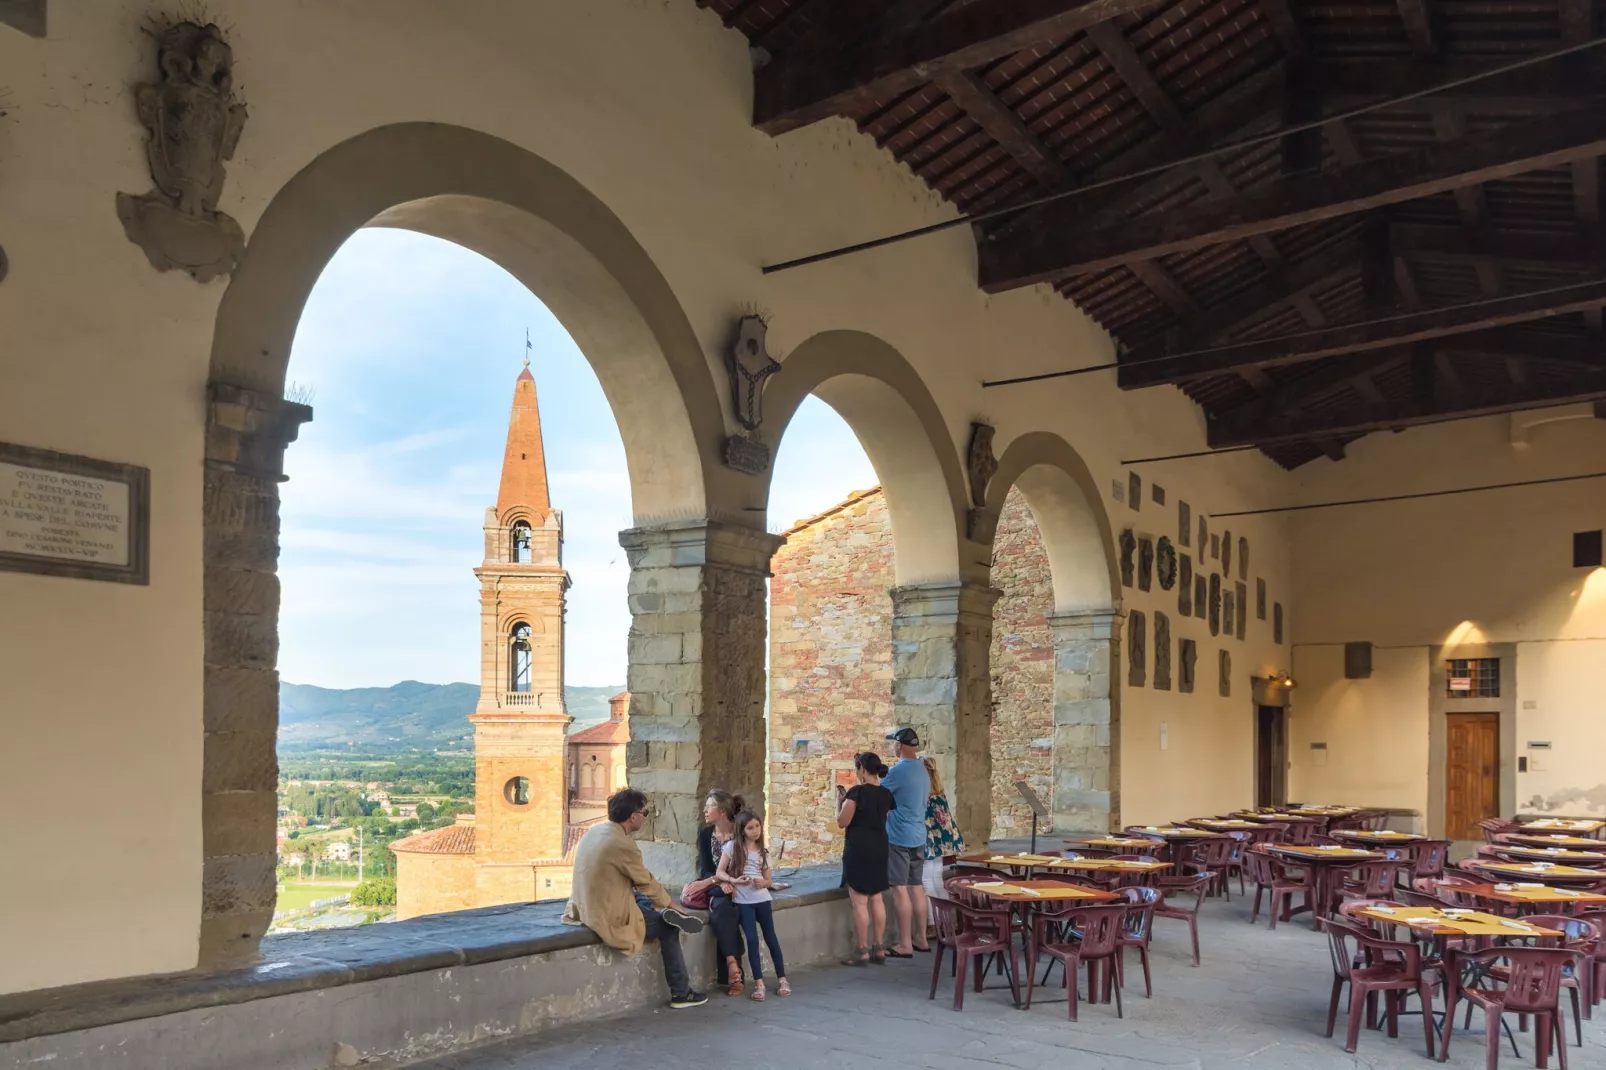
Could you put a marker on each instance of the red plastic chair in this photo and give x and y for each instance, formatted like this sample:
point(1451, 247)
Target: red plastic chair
point(1302, 832)
point(1428, 858)
point(1371, 880)
point(1595, 966)
point(1136, 931)
point(972, 939)
point(1583, 936)
point(1532, 985)
point(1370, 964)
point(1097, 942)
point(1493, 826)
point(1180, 888)
point(1271, 874)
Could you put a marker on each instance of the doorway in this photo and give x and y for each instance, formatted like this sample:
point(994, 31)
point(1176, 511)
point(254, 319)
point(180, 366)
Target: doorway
point(1471, 773)
point(1271, 756)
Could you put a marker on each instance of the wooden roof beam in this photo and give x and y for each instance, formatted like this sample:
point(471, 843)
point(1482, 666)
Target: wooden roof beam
point(999, 122)
point(1418, 26)
point(1055, 245)
point(1558, 86)
point(1315, 387)
point(1400, 413)
point(1532, 347)
point(1419, 241)
point(791, 92)
point(1402, 329)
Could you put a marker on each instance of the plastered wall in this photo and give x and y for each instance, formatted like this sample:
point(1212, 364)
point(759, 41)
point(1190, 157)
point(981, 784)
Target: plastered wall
point(646, 104)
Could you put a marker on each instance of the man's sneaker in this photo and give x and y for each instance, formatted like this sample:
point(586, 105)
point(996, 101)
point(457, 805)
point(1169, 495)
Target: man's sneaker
point(690, 999)
point(686, 923)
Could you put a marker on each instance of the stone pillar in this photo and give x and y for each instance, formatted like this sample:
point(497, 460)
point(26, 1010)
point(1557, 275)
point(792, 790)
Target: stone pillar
point(698, 606)
point(941, 637)
point(1087, 721)
point(246, 436)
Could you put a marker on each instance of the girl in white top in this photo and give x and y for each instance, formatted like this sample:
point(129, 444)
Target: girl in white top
point(745, 864)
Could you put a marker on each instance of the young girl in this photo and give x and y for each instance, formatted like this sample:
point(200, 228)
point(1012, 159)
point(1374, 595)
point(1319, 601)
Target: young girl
point(745, 864)
point(863, 813)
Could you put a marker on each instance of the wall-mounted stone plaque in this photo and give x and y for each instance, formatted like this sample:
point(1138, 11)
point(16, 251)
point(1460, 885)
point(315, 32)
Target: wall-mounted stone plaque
point(1165, 563)
point(1204, 535)
point(1240, 621)
point(1157, 493)
point(1226, 553)
point(1184, 523)
point(1118, 490)
point(1226, 674)
point(1215, 547)
point(1162, 652)
point(1137, 662)
point(1215, 604)
point(1185, 586)
point(1243, 558)
point(62, 515)
point(1134, 491)
point(1201, 597)
point(1260, 598)
point(1129, 544)
point(1229, 609)
point(1145, 564)
point(1187, 655)
point(1277, 623)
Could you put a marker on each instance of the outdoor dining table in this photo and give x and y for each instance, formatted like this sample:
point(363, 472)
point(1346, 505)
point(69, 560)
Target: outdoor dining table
point(1115, 843)
point(1381, 838)
point(1324, 862)
point(1584, 827)
point(1226, 824)
point(1533, 898)
point(1554, 840)
point(1555, 854)
point(1172, 833)
point(1281, 818)
point(1023, 896)
point(1018, 864)
point(1538, 870)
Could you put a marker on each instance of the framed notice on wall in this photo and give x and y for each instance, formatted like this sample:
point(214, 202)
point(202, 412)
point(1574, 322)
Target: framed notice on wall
point(62, 515)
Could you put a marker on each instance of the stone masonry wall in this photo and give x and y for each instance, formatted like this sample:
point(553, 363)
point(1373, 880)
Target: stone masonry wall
point(1022, 666)
point(830, 667)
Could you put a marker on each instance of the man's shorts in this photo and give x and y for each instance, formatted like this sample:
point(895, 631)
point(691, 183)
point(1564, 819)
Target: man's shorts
point(905, 865)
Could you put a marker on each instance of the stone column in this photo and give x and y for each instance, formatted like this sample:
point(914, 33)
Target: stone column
point(246, 436)
point(1087, 721)
point(941, 637)
point(698, 606)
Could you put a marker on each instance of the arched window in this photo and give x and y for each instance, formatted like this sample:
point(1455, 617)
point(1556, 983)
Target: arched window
point(522, 553)
point(519, 658)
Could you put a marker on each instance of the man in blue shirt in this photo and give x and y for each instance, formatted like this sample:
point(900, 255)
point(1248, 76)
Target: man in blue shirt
point(910, 785)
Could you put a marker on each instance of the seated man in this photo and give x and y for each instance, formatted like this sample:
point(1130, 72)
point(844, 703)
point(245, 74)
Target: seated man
point(616, 898)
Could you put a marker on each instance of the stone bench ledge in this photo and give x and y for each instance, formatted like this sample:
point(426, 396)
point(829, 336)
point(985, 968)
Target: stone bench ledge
point(300, 962)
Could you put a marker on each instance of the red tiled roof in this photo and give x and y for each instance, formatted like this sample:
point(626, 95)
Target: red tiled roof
point(574, 834)
point(606, 732)
point(451, 840)
point(810, 521)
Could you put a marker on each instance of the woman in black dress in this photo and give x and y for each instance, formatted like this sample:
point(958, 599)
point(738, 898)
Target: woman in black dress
point(863, 814)
point(719, 810)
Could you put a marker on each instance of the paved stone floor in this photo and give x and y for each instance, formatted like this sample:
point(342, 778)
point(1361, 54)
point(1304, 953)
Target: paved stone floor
point(1259, 1000)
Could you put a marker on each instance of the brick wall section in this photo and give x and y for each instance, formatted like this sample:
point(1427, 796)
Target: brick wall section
point(1022, 669)
point(830, 666)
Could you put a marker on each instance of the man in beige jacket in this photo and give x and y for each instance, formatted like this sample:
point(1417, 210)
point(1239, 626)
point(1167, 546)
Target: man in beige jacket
point(616, 898)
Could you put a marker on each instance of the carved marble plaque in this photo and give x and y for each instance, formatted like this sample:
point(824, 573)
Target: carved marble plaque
point(1184, 523)
point(1201, 597)
point(1185, 586)
point(1226, 674)
point(1204, 535)
point(1129, 544)
point(1277, 623)
point(1145, 564)
point(1157, 493)
point(1226, 553)
point(1215, 604)
point(1260, 598)
point(1187, 655)
point(1215, 547)
point(62, 515)
point(1165, 563)
point(1229, 609)
point(1134, 491)
point(1137, 662)
point(1243, 558)
point(1239, 622)
point(1162, 652)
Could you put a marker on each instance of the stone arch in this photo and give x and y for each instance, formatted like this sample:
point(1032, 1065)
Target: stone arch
point(1084, 626)
point(545, 229)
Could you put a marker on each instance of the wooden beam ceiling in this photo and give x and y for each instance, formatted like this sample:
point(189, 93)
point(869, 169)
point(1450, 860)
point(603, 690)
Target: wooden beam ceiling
point(1418, 26)
point(999, 121)
point(1053, 247)
point(1402, 329)
point(1579, 251)
point(792, 92)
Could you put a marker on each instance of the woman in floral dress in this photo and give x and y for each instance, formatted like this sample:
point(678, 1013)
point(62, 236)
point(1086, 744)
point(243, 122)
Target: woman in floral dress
point(944, 841)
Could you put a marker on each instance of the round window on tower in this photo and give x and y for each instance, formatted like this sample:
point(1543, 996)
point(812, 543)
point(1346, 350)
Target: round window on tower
point(517, 791)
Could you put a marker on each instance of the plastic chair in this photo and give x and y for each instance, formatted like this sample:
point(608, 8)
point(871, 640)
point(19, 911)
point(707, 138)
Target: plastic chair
point(1097, 942)
point(1596, 964)
point(1583, 936)
point(971, 939)
point(1215, 858)
point(1428, 858)
point(1370, 964)
point(1181, 887)
point(1532, 985)
point(1302, 832)
point(1493, 826)
point(1136, 931)
point(1272, 874)
point(1371, 880)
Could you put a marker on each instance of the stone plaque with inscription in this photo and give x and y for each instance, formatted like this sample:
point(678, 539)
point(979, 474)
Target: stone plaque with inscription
point(62, 515)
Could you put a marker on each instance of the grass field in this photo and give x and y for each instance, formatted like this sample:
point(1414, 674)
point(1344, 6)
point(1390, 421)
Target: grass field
point(298, 895)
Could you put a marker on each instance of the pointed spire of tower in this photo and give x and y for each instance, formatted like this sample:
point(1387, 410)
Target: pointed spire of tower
point(524, 462)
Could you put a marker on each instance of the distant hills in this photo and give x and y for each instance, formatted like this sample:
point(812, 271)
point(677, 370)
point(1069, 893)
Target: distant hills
point(400, 717)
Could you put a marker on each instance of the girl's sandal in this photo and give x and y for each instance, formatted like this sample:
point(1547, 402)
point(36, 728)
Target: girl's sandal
point(855, 959)
point(783, 988)
point(878, 955)
point(758, 992)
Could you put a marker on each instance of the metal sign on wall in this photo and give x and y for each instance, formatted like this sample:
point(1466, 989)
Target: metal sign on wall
point(62, 515)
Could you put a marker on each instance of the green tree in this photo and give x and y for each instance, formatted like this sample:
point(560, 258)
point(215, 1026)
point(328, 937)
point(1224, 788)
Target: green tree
point(375, 893)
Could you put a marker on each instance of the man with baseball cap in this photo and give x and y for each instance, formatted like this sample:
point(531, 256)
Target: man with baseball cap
point(906, 836)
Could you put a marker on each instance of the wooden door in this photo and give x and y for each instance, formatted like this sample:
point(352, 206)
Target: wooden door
point(1271, 757)
point(1472, 773)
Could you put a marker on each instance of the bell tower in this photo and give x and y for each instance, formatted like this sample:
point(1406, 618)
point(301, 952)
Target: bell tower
point(520, 722)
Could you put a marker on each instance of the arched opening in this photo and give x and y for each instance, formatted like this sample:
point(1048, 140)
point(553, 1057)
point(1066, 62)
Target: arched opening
point(521, 551)
point(543, 228)
point(521, 659)
point(1056, 641)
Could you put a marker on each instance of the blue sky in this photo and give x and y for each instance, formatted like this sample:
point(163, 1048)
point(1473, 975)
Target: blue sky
point(410, 346)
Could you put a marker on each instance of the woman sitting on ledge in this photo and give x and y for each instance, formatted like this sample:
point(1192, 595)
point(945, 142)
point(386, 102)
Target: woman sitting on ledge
point(719, 810)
